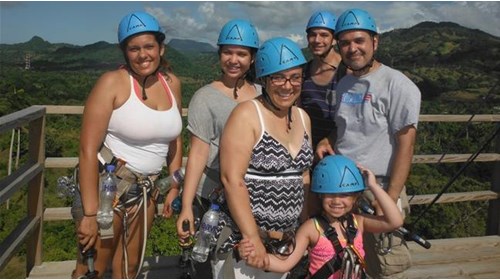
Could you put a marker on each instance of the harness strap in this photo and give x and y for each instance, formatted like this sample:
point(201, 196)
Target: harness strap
point(227, 269)
point(335, 263)
point(122, 202)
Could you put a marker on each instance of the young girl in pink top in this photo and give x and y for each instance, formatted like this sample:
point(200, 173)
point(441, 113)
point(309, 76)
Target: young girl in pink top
point(339, 183)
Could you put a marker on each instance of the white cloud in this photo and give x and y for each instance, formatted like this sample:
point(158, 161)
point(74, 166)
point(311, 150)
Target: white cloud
point(202, 21)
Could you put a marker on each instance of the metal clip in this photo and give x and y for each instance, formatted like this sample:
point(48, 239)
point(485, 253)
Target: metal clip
point(217, 196)
point(381, 243)
point(146, 182)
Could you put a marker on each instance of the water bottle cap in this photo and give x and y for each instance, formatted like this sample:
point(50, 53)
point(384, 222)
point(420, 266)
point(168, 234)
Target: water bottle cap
point(178, 175)
point(214, 206)
point(110, 168)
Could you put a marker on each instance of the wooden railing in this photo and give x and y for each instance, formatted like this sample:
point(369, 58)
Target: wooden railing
point(29, 230)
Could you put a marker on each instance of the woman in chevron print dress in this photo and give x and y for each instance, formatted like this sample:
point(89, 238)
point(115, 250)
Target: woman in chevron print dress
point(265, 157)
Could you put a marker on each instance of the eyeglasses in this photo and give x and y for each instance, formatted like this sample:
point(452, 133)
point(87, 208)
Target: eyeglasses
point(281, 81)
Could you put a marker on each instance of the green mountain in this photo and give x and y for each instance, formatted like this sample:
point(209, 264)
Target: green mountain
point(444, 59)
point(444, 43)
point(45, 56)
point(191, 46)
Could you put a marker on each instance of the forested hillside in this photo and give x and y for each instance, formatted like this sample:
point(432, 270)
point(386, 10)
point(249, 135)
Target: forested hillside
point(456, 69)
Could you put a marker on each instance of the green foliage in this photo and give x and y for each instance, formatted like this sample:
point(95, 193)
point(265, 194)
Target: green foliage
point(15, 269)
point(61, 243)
point(453, 71)
point(163, 240)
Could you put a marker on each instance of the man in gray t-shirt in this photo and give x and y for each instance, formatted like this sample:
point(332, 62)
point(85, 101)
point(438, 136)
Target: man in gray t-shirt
point(376, 116)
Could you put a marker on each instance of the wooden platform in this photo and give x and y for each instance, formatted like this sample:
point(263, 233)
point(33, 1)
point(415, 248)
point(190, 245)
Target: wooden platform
point(471, 258)
point(466, 258)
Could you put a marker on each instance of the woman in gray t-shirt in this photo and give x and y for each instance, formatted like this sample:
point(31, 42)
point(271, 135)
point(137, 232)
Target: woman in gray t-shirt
point(209, 110)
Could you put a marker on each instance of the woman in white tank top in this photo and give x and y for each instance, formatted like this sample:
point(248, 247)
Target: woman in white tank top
point(135, 112)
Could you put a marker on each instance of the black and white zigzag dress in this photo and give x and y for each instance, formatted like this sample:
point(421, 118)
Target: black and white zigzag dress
point(275, 184)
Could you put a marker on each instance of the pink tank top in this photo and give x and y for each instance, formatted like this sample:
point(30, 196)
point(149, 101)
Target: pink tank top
point(324, 251)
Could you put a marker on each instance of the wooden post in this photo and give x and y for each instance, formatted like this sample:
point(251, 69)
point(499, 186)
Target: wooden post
point(493, 222)
point(35, 192)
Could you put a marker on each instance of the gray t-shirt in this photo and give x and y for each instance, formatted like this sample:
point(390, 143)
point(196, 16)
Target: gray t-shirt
point(209, 110)
point(371, 109)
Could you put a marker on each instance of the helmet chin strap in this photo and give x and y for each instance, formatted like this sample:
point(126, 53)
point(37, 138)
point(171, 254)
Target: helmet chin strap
point(367, 66)
point(268, 100)
point(144, 95)
point(322, 58)
point(235, 90)
point(362, 69)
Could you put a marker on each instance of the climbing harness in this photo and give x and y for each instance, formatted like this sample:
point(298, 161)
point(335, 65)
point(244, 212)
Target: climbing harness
point(133, 191)
point(129, 204)
point(347, 260)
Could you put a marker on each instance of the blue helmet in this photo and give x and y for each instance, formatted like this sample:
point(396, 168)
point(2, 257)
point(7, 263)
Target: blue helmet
point(137, 22)
point(337, 174)
point(322, 19)
point(355, 19)
point(239, 32)
point(277, 54)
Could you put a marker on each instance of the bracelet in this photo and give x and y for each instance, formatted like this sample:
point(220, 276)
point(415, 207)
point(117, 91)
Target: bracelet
point(89, 216)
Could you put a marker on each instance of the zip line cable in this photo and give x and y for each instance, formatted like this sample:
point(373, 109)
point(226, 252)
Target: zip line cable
point(467, 124)
point(467, 163)
point(462, 169)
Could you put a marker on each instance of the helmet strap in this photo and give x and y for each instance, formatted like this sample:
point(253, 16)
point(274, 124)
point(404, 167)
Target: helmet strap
point(323, 57)
point(144, 95)
point(362, 69)
point(235, 90)
point(268, 100)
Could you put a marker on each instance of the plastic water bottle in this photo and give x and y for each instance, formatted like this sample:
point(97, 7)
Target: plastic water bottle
point(164, 184)
point(206, 235)
point(108, 193)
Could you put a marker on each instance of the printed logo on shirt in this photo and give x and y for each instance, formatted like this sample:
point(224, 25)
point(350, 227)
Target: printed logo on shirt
point(352, 98)
point(355, 98)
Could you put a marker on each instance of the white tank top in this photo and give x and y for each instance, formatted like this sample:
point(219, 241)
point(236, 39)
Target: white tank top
point(141, 135)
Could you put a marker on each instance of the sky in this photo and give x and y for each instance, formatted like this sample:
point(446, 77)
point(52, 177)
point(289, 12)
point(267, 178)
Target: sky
point(87, 22)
